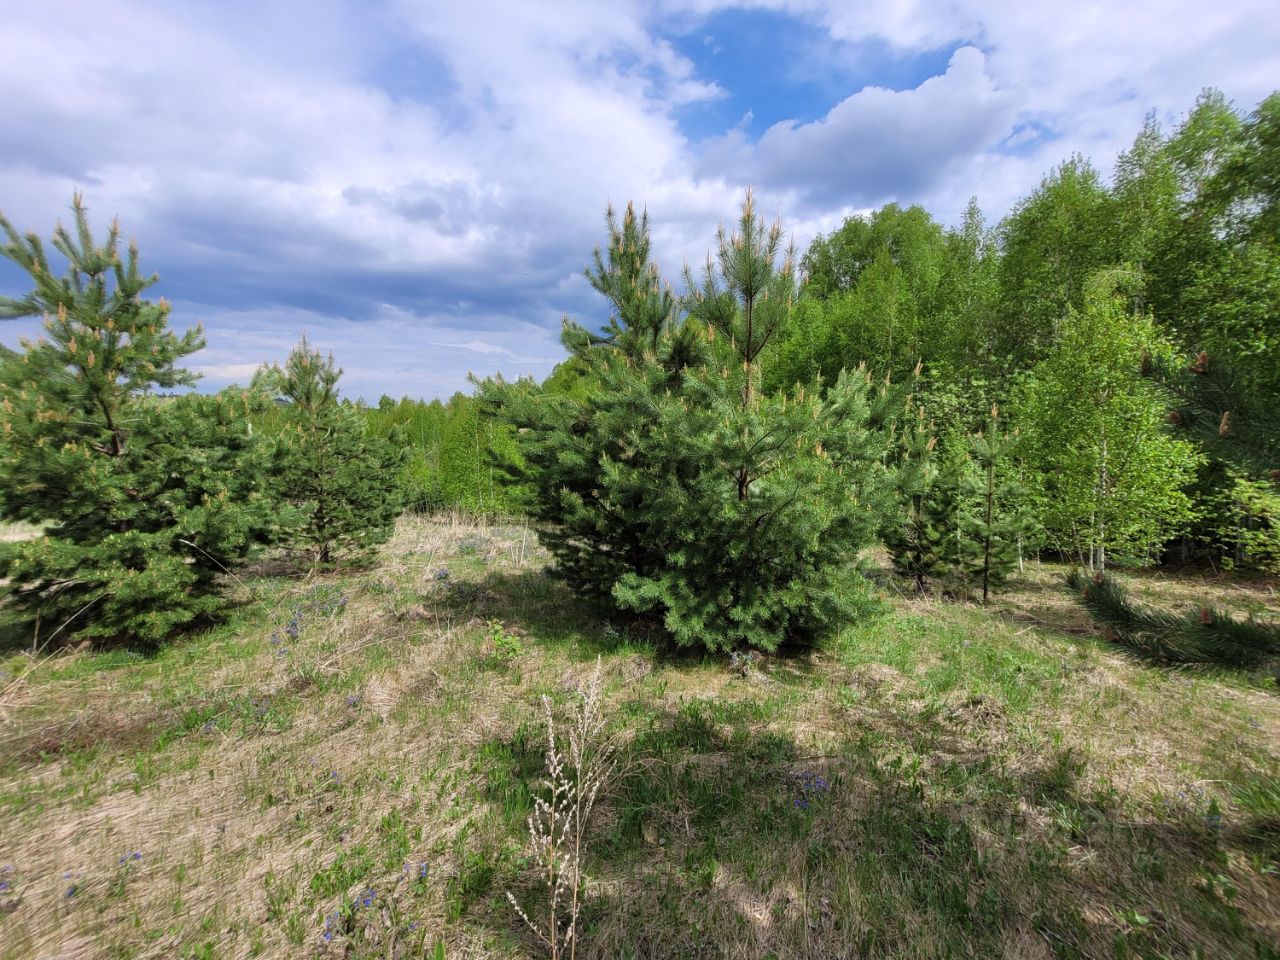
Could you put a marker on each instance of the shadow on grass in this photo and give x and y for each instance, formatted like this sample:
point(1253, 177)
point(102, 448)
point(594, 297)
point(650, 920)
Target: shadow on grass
point(551, 613)
point(721, 837)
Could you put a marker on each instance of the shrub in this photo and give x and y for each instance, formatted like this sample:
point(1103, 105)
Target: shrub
point(342, 479)
point(674, 485)
point(146, 501)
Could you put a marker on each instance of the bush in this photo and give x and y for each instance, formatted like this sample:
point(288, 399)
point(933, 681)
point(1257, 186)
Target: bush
point(672, 484)
point(342, 479)
point(146, 501)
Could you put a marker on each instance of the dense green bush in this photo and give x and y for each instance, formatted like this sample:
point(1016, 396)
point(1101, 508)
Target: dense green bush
point(449, 449)
point(341, 478)
point(145, 502)
point(679, 488)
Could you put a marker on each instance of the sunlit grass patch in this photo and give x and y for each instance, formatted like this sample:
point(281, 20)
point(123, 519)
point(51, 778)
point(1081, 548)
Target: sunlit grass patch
point(946, 780)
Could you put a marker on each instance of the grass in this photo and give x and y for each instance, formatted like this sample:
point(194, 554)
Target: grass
point(945, 781)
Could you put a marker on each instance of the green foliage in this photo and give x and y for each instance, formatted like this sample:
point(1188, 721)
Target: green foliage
point(871, 291)
point(1249, 525)
point(1109, 479)
point(920, 534)
point(995, 523)
point(1212, 406)
point(448, 452)
point(342, 479)
point(1052, 243)
point(146, 502)
point(1204, 636)
point(676, 486)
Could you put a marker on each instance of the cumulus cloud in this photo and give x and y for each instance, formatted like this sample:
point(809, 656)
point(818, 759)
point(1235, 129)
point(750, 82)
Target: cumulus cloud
point(877, 144)
point(419, 185)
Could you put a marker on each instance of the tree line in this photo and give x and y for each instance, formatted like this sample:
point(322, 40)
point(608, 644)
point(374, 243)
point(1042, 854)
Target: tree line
point(1094, 376)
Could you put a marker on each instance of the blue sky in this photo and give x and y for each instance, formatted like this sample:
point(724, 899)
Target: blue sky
point(417, 186)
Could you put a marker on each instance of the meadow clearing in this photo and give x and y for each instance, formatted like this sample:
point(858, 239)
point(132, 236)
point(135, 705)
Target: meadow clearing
point(345, 768)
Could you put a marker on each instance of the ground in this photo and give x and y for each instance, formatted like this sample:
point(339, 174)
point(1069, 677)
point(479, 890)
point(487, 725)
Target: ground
point(345, 768)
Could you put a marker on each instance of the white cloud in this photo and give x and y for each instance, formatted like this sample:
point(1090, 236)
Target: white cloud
point(279, 166)
point(877, 144)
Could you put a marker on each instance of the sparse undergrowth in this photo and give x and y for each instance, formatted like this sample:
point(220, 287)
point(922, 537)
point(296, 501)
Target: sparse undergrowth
point(346, 769)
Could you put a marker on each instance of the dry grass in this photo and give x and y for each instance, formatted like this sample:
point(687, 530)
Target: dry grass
point(946, 781)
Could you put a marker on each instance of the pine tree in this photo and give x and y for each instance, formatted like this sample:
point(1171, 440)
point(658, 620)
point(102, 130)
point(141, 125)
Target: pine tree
point(569, 442)
point(146, 502)
point(343, 479)
point(994, 519)
point(919, 535)
point(676, 486)
point(777, 494)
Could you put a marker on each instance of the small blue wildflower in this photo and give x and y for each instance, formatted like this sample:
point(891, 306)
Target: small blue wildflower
point(802, 803)
point(413, 924)
point(4, 886)
point(369, 896)
point(441, 574)
point(333, 775)
point(71, 891)
point(423, 870)
point(7, 868)
point(353, 700)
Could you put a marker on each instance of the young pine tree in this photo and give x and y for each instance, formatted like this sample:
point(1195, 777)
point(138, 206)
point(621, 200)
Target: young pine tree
point(146, 502)
point(674, 485)
point(994, 520)
point(765, 500)
point(584, 440)
point(921, 535)
point(343, 479)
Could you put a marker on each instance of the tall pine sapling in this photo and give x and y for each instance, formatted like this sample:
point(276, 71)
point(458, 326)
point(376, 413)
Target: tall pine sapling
point(920, 534)
point(763, 500)
point(581, 455)
point(138, 529)
point(994, 520)
point(342, 478)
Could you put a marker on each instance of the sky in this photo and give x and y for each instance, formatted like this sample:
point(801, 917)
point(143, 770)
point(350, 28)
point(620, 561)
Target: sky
point(417, 186)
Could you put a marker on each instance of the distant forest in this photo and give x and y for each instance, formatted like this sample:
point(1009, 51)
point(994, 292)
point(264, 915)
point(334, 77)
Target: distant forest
point(1048, 315)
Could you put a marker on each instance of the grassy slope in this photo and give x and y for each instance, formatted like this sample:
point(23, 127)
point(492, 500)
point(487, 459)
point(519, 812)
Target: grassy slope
point(997, 782)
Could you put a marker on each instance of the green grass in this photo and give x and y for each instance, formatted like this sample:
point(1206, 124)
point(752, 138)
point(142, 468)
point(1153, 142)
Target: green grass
point(945, 780)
